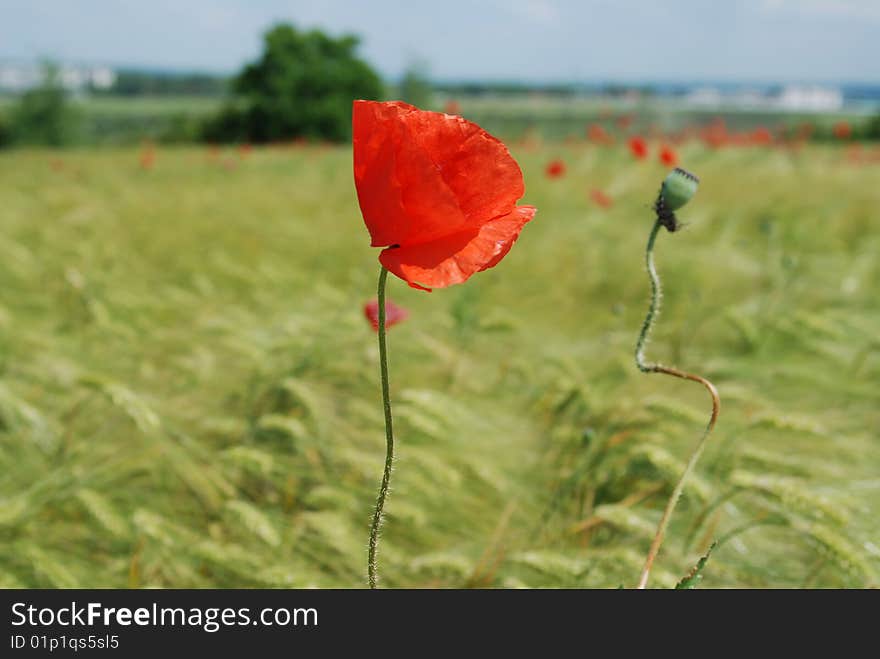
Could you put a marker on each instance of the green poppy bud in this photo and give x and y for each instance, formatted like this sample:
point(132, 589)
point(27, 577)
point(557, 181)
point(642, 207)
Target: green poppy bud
point(678, 188)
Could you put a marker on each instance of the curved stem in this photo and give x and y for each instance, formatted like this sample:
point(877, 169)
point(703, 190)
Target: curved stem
point(648, 367)
point(656, 295)
point(389, 434)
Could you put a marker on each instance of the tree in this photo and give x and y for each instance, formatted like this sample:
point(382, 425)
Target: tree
point(42, 115)
point(302, 86)
point(872, 128)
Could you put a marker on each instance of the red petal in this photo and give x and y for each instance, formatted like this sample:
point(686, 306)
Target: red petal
point(453, 259)
point(393, 314)
point(424, 175)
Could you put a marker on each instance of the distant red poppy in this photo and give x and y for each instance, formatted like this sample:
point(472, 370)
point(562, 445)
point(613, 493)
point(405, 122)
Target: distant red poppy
point(393, 314)
point(638, 147)
point(57, 164)
point(601, 199)
point(598, 135)
point(244, 150)
point(148, 156)
point(436, 190)
point(805, 130)
point(452, 107)
point(624, 121)
point(555, 169)
point(842, 130)
point(668, 156)
point(715, 134)
point(761, 136)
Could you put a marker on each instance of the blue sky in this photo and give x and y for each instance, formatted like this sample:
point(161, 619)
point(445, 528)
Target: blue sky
point(759, 40)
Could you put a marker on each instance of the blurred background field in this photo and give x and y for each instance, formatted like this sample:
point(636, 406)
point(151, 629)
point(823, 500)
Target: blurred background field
point(189, 390)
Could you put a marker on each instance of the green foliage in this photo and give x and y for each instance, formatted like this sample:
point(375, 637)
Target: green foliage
point(43, 116)
point(693, 578)
point(189, 392)
point(303, 85)
point(5, 130)
point(872, 128)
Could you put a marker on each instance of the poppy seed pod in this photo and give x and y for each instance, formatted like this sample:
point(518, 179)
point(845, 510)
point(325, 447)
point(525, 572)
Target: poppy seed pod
point(678, 188)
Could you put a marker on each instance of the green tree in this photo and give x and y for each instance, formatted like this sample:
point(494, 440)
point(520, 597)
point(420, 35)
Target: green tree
point(302, 86)
point(5, 131)
point(872, 128)
point(43, 115)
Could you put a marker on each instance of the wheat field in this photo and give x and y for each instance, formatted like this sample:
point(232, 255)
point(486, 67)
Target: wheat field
point(189, 391)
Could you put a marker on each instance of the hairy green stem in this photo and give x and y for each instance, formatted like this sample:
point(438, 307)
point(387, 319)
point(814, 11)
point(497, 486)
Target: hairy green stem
point(656, 295)
point(648, 367)
point(389, 434)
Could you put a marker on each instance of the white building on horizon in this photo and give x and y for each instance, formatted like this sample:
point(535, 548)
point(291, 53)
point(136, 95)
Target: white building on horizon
point(16, 77)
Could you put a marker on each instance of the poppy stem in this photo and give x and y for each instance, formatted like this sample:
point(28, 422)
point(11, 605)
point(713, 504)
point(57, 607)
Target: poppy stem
point(649, 367)
point(389, 434)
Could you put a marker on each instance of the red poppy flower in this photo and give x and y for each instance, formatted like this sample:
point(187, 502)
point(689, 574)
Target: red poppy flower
point(598, 135)
point(452, 107)
point(638, 147)
point(715, 134)
point(555, 169)
point(842, 130)
point(393, 313)
point(668, 156)
point(244, 150)
point(435, 189)
point(601, 199)
point(762, 136)
point(148, 156)
point(624, 121)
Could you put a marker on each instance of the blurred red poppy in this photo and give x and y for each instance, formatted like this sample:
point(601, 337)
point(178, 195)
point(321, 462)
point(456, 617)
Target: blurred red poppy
point(244, 150)
point(452, 107)
point(598, 135)
point(148, 156)
point(601, 199)
point(715, 134)
point(842, 130)
point(393, 314)
point(624, 121)
point(638, 147)
point(805, 130)
point(555, 169)
point(668, 156)
point(762, 136)
point(436, 190)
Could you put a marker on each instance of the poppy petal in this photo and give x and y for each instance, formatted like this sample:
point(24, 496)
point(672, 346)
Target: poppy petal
point(394, 314)
point(453, 259)
point(424, 175)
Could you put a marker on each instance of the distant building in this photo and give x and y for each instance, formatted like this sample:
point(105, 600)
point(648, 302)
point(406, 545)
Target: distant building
point(810, 99)
point(791, 98)
point(17, 77)
point(707, 97)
